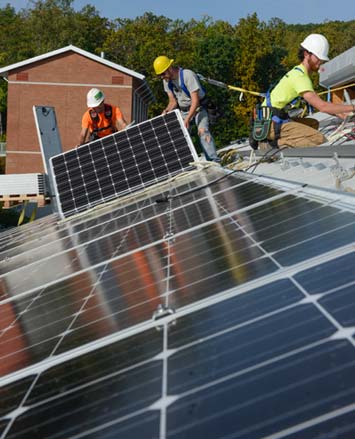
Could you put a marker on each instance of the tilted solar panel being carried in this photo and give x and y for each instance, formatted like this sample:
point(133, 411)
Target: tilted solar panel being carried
point(124, 162)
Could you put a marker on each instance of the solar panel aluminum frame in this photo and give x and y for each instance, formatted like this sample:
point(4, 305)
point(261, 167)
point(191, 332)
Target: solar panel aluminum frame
point(228, 314)
point(121, 163)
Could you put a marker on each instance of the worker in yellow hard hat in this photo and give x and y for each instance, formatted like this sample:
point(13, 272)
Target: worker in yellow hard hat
point(185, 92)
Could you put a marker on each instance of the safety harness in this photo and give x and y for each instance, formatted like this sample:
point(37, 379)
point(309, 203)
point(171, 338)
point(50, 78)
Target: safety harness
point(174, 90)
point(95, 120)
point(264, 116)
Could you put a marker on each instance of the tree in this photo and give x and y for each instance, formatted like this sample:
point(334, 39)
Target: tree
point(252, 54)
point(11, 50)
point(14, 45)
point(52, 24)
point(260, 61)
point(135, 43)
point(253, 49)
point(219, 44)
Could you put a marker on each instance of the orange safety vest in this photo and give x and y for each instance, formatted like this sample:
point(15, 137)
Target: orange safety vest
point(95, 119)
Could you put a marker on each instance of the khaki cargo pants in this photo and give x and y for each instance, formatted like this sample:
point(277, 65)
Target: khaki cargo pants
point(300, 133)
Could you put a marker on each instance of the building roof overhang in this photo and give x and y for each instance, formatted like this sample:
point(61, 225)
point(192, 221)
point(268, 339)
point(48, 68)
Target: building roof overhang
point(145, 90)
point(5, 70)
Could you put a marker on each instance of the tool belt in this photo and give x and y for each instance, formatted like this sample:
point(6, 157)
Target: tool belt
point(260, 124)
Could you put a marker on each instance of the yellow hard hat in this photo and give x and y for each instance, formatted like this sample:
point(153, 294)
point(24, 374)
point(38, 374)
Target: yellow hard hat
point(162, 63)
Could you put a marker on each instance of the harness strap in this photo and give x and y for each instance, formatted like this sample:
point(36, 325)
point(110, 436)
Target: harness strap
point(183, 87)
point(279, 117)
point(95, 119)
point(280, 114)
point(260, 123)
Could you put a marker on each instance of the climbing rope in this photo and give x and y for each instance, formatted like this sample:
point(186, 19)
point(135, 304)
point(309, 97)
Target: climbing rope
point(255, 93)
point(336, 89)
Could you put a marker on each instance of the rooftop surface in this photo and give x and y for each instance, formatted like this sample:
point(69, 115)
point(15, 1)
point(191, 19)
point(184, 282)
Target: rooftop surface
point(216, 304)
point(225, 311)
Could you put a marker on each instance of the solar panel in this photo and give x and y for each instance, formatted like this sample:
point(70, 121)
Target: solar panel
point(227, 312)
point(122, 163)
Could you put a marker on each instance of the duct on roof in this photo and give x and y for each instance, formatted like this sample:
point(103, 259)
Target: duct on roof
point(338, 71)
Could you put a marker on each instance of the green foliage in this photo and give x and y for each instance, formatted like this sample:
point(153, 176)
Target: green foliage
point(251, 55)
point(52, 24)
point(136, 43)
point(259, 62)
point(3, 96)
point(14, 45)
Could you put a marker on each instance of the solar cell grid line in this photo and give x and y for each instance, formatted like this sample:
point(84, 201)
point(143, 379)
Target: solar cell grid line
point(66, 254)
point(124, 162)
point(58, 274)
point(12, 237)
point(181, 340)
point(253, 350)
point(37, 249)
point(89, 165)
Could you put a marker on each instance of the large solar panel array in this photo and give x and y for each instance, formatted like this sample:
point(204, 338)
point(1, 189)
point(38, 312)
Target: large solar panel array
point(227, 312)
point(122, 163)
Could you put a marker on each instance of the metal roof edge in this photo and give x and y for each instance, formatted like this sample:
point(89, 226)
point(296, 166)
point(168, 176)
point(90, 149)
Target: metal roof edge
point(339, 70)
point(5, 70)
point(343, 151)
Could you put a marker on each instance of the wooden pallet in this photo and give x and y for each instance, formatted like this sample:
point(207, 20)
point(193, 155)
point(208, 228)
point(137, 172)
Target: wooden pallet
point(14, 199)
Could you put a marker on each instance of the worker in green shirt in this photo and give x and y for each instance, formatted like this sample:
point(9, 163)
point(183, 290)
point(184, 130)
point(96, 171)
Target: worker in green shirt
point(296, 84)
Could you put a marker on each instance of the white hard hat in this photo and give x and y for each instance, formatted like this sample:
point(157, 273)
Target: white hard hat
point(94, 97)
point(317, 44)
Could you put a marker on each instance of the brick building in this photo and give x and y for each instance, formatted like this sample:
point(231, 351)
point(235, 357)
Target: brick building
point(61, 79)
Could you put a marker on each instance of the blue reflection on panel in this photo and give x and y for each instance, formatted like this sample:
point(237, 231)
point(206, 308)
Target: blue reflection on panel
point(101, 388)
point(303, 250)
point(271, 399)
point(247, 346)
point(146, 425)
point(329, 275)
point(341, 305)
point(234, 311)
point(340, 427)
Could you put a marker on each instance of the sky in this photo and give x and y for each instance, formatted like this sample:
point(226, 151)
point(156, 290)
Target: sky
point(290, 11)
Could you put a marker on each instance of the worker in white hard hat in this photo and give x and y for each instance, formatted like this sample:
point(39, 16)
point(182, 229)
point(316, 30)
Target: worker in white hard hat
point(185, 92)
point(285, 129)
point(100, 119)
